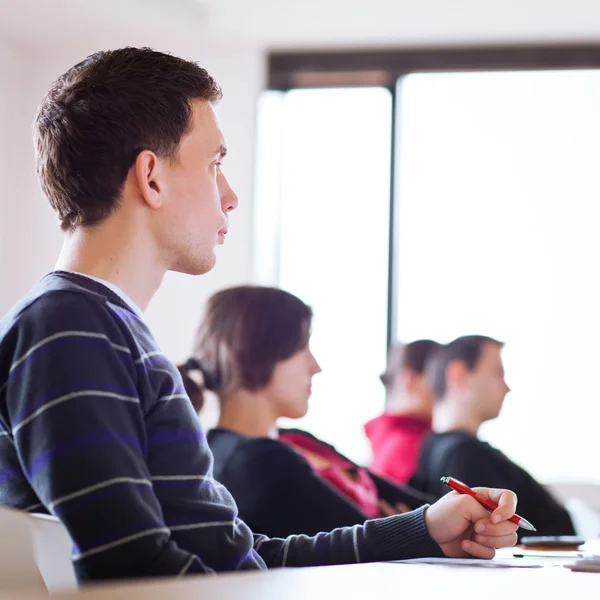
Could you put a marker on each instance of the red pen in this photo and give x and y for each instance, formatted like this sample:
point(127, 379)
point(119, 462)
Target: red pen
point(461, 488)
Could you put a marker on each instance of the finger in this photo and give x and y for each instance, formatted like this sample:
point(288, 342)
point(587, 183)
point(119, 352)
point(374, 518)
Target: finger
point(502, 541)
point(505, 499)
point(471, 510)
point(386, 509)
point(477, 550)
point(486, 527)
point(402, 508)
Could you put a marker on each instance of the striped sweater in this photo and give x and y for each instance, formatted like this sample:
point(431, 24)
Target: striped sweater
point(96, 429)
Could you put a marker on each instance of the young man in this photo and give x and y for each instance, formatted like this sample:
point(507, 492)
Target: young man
point(396, 436)
point(468, 383)
point(95, 426)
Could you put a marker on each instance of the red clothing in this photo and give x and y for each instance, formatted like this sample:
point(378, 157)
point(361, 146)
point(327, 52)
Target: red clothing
point(348, 479)
point(396, 443)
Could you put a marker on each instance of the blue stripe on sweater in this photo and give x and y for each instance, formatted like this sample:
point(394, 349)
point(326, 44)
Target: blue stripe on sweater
point(101, 438)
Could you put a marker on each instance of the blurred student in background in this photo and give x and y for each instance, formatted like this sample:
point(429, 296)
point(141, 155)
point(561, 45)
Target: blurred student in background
point(468, 383)
point(396, 436)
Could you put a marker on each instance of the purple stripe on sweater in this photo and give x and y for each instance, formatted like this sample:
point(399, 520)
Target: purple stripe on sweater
point(127, 316)
point(101, 438)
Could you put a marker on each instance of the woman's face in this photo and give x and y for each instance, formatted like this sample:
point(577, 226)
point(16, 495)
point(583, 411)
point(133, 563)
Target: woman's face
point(290, 385)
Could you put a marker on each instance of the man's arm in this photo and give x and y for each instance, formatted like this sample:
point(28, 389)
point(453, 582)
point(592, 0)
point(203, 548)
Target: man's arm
point(392, 538)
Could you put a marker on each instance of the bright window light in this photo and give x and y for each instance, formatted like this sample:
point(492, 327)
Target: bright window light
point(499, 234)
point(333, 147)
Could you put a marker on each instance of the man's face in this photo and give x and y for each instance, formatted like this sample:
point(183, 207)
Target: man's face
point(486, 383)
point(194, 219)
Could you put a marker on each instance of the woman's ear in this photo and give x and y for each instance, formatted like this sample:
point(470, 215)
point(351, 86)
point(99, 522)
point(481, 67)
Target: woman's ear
point(149, 171)
point(410, 379)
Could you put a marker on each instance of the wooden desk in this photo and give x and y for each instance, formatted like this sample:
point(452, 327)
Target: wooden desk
point(364, 582)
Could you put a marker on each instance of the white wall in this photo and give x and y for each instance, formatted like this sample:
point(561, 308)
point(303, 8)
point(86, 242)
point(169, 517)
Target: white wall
point(29, 235)
point(29, 232)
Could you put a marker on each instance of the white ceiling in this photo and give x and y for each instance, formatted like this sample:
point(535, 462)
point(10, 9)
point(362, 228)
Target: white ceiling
point(299, 23)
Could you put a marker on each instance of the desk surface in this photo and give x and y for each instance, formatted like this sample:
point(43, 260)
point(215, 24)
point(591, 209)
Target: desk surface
point(365, 581)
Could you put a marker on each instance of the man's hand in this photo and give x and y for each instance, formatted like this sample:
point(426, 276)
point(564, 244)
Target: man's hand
point(463, 528)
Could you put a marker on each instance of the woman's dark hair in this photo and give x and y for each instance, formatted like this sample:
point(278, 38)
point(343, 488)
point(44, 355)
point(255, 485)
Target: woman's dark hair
point(245, 332)
point(192, 388)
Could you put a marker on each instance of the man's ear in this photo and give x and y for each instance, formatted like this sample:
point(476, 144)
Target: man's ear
point(456, 374)
point(410, 380)
point(148, 172)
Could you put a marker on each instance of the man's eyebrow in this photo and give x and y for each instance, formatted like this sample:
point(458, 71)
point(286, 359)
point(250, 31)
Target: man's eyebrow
point(221, 151)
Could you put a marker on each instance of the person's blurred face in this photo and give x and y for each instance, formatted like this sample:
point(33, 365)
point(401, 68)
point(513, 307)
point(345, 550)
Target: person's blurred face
point(486, 385)
point(290, 385)
point(414, 392)
point(423, 390)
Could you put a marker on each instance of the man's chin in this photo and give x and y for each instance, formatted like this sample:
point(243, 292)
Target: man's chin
point(196, 268)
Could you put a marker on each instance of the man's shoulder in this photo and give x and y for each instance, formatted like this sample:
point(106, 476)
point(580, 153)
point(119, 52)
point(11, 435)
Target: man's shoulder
point(452, 441)
point(56, 305)
point(49, 298)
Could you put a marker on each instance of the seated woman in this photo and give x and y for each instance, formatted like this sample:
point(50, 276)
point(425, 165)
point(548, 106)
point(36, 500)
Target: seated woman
point(252, 350)
point(398, 434)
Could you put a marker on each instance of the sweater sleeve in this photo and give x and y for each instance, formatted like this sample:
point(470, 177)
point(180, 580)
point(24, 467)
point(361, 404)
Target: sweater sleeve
point(78, 429)
point(478, 464)
point(392, 538)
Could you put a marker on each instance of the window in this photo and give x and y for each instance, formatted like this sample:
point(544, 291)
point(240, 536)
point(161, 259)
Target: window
point(333, 149)
point(498, 234)
point(492, 230)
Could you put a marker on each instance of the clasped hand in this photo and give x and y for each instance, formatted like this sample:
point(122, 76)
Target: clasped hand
point(463, 528)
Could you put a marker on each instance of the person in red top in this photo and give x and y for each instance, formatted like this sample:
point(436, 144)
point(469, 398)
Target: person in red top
point(397, 435)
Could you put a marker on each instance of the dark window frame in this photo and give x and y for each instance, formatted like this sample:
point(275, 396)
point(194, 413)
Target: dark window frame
point(386, 67)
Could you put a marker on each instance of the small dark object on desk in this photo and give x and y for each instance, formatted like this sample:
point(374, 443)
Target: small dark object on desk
point(550, 542)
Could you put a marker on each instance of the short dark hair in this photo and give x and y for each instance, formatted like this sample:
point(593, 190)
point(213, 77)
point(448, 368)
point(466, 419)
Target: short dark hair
point(466, 349)
point(245, 332)
point(97, 118)
point(413, 356)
